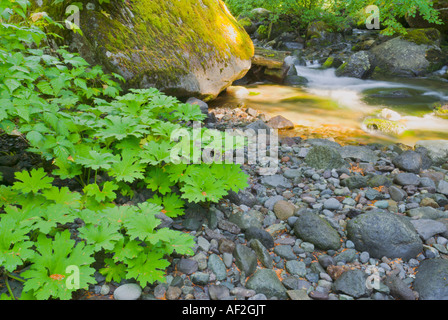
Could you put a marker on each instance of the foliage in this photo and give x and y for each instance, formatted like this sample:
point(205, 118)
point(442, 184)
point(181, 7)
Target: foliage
point(76, 117)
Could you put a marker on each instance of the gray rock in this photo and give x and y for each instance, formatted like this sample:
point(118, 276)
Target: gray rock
point(351, 282)
point(262, 253)
point(245, 220)
point(358, 66)
point(312, 228)
point(399, 289)
point(323, 157)
point(427, 228)
point(397, 194)
point(443, 187)
point(437, 150)
point(245, 259)
point(358, 152)
point(355, 182)
point(202, 105)
point(292, 173)
point(431, 281)
point(295, 267)
point(128, 291)
point(275, 181)
point(332, 204)
point(427, 213)
point(405, 179)
point(260, 234)
point(409, 161)
point(285, 252)
point(217, 266)
point(384, 234)
point(269, 204)
point(258, 125)
point(280, 122)
point(218, 292)
point(200, 278)
point(187, 266)
point(265, 281)
point(346, 256)
point(298, 295)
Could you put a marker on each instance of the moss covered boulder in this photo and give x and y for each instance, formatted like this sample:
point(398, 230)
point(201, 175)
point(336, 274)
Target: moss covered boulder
point(417, 53)
point(184, 47)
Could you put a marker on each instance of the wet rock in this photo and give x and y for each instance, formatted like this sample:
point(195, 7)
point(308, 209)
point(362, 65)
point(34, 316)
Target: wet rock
point(360, 65)
point(437, 150)
point(129, 291)
point(351, 282)
point(217, 266)
point(281, 123)
point(431, 281)
point(275, 181)
point(409, 161)
point(399, 289)
point(262, 253)
point(284, 209)
point(384, 234)
point(312, 228)
point(427, 228)
point(245, 259)
point(405, 179)
point(262, 235)
point(218, 292)
point(265, 281)
point(324, 157)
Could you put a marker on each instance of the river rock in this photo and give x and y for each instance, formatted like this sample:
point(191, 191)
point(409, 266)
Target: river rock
point(360, 65)
point(245, 259)
point(332, 204)
point(403, 57)
point(427, 228)
point(384, 234)
point(437, 150)
point(265, 281)
point(284, 209)
point(406, 179)
point(312, 228)
point(324, 157)
point(397, 194)
point(442, 187)
point(260, 234)
point(128, 291)
point(275, 181)
point(427, 213)
point(355, 182)
point(358, 152)
point(409, 161)
point(244, 220)
point(431, 281)
point(280, 122)
point(218, 292)
point(351, 282)
point(262, 253)
point(398, 288)
point(217, 266)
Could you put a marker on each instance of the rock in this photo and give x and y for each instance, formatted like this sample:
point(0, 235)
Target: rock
point(217, 266)
point(187, 266)
point(442, 187)
point(275, 181)
point(355, 182)
point(384, 126)
point(140, 41)
point(324, 157)
point(173, 293)
point(269, 204)
point(384, 234)
point(351, 282)
point(259, 125)
point(245, 220)
point(295, 80)
point(405, 179)
point(203, 105)
point(409, 161)
point(358, 152)
point(265, 281)
point(402, 57)
point(245, 259)
point(284, 209)
point(298, 295)
point(281, 123)
point(360, 65)
point(312, 228)
point(295, 267)
point(128, 291)
point(437, 150)
point(427, 213)
point(260, 234)
point(427, 228)
point(285, 252)
point(431, 281)
point(332, 204)
point(399, 289)
point(218, 292)
point(262, 253)
point(200, 278)
point(320, 34)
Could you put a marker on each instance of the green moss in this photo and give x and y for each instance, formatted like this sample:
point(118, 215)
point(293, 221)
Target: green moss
point(428, 36)
point(385, 126)
point(328, 63)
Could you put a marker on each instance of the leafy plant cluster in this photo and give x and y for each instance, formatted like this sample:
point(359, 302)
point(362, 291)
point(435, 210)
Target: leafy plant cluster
point(76, 118)
point(339, 14)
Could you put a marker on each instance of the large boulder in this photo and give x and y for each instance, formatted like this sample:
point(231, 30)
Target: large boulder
point(417, 21)
point(384, 234)
point(184, 48)
point(437, 150)
point(416, 54)
point(431, 281)
point(360, 65)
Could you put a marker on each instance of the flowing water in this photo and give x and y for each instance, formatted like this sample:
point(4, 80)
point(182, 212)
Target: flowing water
point(334, 106)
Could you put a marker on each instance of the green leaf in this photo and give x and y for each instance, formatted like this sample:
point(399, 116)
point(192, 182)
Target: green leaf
point(128, 169)
point(107, 192)
point(96, 160)
point(113, 271)
point(148, 268)
point(102, 236)
point(157, 180)
point(63, 196)
point(33, 181)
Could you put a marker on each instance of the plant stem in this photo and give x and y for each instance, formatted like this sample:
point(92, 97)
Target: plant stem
point(9, 288)
point(15, 277)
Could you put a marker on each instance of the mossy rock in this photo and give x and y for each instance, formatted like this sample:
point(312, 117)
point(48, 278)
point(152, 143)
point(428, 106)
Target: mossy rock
point(428, 36)
point(384, 126)
point(185, 48)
